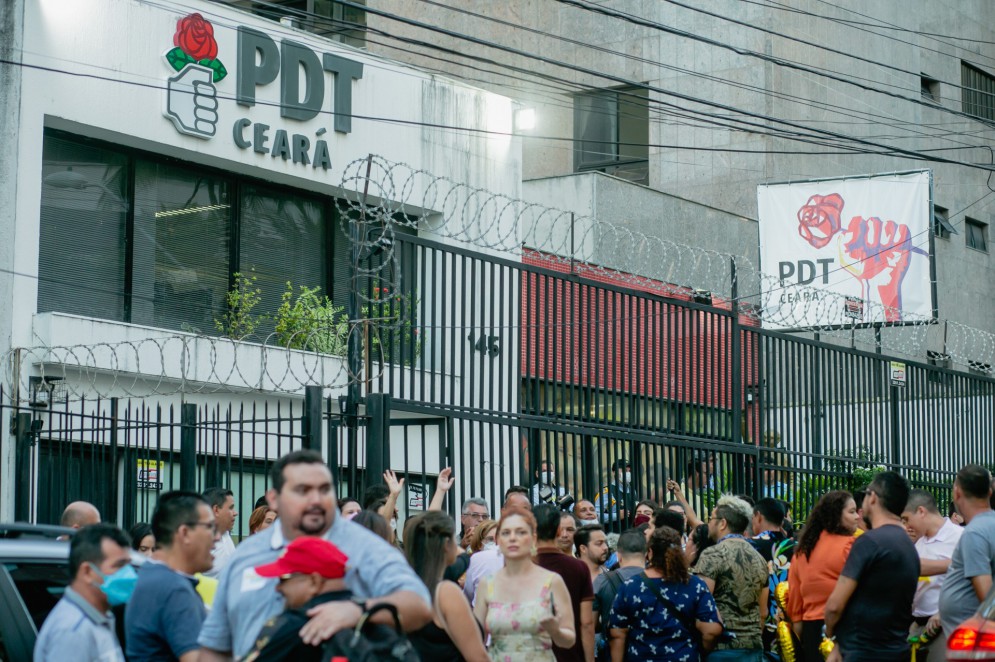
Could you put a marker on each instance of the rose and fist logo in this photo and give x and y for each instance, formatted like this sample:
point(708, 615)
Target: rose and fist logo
point(875, 252)
point(191, 98)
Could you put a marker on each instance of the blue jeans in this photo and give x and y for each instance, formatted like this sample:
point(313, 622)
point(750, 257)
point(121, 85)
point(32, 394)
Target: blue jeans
point(744, 655)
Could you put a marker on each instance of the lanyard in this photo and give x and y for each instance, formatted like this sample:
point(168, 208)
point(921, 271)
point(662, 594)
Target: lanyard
point(731, 535)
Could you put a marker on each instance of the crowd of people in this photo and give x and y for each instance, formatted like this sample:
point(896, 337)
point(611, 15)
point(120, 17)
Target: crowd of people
point(870, 575)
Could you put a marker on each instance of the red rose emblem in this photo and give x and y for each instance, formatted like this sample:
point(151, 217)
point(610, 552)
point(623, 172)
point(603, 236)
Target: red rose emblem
point(819, 219)
point(195, 37)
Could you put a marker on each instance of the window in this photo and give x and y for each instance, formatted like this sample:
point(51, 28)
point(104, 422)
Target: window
point(942, 227)
point(977, 234)
point(978, 90)
point(181, 247)
point(611, 133)
point(282, 238)
point(327, 18)
point(134, 238)
point(929, 88)
point(83, 204)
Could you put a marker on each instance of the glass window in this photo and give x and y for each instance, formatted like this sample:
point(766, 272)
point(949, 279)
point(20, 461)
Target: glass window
point(976, 234)
point(611, 133)
point(978, 92)
point(84, 214)
point(941, 223)
point(281, 238)
point(596, 128)
point(41, 585)
point(181, 247)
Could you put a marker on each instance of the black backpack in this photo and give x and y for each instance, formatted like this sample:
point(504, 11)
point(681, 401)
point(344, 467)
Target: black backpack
point(371, 642)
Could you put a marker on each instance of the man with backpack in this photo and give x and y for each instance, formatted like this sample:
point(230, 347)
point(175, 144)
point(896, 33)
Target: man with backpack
point(632, 560)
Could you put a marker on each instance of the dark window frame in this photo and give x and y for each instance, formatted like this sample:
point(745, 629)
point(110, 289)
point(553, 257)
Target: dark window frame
point(942, 227)
point(614, 163)
point(342, 24)
point(976, 234)
point(235, 182)
point(929, 88)
point(977, 92)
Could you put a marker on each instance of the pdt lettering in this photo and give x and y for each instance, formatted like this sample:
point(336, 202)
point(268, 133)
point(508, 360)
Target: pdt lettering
point(804, 270)
point(261, 61)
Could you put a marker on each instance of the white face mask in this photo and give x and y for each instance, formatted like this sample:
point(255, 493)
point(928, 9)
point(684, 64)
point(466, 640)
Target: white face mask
point(548, 478)
point(490, 544)
point(585, 522)
point(627, 477)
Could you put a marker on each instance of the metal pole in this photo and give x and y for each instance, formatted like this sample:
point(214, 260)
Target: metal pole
point(573, 249)
point(21, 430)
point(377, 436)
point(354, 394)
point(896, 425)
point(311, 420)
point(112, 499)
point(736, 378)
point(188, 447)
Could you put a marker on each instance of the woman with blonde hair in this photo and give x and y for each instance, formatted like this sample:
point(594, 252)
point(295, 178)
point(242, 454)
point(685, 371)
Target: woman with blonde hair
point(525, 609)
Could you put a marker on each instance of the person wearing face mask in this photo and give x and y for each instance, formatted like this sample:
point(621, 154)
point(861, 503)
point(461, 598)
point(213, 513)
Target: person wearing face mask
point(616, 505)
point(484, 536)
point(165, 615)
point(81, 626)
point(546, 490)
point(586, 512)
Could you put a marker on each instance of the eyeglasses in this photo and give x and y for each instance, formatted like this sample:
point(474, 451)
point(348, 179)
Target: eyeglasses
point(210, 526)
point(477, 516)
point(289, 576)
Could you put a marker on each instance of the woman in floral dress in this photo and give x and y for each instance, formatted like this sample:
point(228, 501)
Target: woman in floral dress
point(524, 608)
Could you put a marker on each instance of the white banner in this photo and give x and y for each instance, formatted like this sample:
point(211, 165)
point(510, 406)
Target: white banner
point(845, 251)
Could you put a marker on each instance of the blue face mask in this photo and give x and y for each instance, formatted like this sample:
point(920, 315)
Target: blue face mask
point(118, 586)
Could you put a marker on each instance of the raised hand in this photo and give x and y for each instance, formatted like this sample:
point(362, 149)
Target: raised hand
point(880, 252)
point(393, 484)
point(445, 480)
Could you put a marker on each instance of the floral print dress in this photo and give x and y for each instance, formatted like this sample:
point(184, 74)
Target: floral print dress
point(655, 633)
point(516, 635)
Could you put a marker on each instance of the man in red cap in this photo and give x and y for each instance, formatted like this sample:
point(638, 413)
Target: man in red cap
point(311, 572)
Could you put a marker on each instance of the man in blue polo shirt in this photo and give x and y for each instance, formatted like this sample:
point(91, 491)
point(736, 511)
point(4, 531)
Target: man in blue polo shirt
point(304, 496)
point(165, 614)
point(81, 626)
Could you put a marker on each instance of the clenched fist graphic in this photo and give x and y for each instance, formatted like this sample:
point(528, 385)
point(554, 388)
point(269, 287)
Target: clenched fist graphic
point(192, 101)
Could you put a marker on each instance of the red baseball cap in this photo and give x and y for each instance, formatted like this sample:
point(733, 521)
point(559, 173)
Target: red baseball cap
point(307, 555)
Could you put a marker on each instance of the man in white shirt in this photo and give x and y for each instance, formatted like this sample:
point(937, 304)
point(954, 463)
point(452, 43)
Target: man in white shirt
point(222, 503)
point(936, 538)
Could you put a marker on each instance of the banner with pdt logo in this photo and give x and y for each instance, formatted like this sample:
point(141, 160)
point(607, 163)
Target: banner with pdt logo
point(845, 251)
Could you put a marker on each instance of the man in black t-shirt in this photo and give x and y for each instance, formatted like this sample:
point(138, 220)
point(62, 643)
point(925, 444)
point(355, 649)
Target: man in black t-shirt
point(870, 610)
point(577, 578)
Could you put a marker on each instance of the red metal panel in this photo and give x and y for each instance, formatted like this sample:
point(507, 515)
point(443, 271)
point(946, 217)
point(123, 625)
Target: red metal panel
point(568, 338)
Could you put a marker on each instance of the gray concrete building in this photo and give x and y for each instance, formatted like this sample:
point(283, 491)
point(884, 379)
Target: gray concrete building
point(688, 107)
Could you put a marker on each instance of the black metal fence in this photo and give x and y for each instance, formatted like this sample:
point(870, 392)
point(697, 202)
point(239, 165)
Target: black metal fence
point(492, 366)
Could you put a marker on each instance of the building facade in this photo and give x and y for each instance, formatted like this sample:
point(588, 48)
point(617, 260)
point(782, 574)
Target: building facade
point(703, 102)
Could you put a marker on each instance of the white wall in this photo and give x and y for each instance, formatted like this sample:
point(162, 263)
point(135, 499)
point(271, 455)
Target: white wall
point(99, 70)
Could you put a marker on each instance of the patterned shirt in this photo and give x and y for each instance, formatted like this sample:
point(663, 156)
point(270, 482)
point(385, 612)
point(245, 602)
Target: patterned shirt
point(740, 575)
point(655, 633)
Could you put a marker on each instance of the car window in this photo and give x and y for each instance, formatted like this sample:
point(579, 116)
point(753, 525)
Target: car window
point(40, 584)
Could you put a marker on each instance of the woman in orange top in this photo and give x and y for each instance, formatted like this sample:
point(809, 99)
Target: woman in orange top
point(817, 563)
